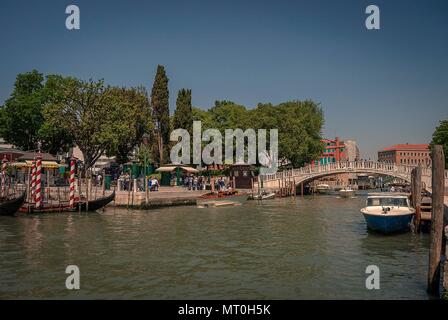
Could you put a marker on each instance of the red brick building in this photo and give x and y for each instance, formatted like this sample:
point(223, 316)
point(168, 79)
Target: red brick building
point(409, 154)
point(335, 150)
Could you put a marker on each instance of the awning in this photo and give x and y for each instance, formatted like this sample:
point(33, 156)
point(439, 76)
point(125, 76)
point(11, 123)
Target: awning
point(45, 164)
point(173, 168)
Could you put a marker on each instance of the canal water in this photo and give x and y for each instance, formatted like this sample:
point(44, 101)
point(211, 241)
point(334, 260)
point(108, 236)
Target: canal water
point(316, 247)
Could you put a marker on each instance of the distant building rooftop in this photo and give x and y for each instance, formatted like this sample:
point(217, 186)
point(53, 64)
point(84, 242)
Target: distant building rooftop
point(406, 146)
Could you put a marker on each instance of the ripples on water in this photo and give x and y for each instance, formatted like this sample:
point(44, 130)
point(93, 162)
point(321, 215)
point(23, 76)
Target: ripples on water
point(310, 248)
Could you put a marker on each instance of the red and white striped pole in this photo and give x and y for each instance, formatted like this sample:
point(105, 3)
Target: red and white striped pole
point(38, 181)
point(72, 183)
point(33, 181)
point(4, 167)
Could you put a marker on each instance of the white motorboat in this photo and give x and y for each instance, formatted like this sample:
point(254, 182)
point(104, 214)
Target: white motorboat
point(388, 212)
point(323, 188)
point(265, 196)
point(347, 192)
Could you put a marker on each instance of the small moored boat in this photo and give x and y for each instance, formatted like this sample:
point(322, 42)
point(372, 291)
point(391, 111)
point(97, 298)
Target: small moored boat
point(323, 188)
point(222, 196)
point(388, 212)
point(95, 204)
point(9, 207)
point(347, 192)
point(264, 196)
point(80, 206)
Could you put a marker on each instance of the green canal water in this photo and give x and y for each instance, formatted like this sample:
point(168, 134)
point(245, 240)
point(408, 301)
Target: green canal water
point(311, 248)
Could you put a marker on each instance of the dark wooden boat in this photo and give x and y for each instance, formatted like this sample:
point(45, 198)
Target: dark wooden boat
point(11, 206)
point(96, 204)
point(80, 205)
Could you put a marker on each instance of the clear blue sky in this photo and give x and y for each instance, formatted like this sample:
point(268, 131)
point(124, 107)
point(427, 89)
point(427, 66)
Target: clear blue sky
point(379, 87)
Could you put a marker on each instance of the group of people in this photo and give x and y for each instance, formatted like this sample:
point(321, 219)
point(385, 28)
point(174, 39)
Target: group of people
point(193, 182)
point(190, 182)
point(222, 185)
point(153, 184)
point(126, 183)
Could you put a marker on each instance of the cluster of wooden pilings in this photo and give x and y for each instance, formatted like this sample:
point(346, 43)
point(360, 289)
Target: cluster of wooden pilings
point(287, 187)
point(438, 266)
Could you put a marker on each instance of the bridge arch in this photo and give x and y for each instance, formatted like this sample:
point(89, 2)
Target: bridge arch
point(313, 177)
point(309, 173)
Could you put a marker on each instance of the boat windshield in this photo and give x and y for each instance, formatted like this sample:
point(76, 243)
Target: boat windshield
point(399, 202)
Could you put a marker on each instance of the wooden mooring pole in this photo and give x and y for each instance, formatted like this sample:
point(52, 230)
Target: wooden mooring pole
point(438, 190)
point(294, 188)
point(252, 186)
point(445, 268)
point(146, 189)
point(416, 189)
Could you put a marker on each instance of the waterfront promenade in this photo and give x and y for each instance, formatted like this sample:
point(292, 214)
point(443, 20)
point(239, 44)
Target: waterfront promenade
point(164, 197)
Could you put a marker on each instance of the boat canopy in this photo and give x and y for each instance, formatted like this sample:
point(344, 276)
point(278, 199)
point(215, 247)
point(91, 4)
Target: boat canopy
point(388, 195)
point(173, 168)
point(387, 201)
point(29, 163)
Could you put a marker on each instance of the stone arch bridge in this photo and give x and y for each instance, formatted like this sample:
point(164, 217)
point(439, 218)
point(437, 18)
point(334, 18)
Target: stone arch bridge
point(309, 173)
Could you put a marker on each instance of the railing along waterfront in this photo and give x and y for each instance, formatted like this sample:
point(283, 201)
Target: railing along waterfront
point(374, 167)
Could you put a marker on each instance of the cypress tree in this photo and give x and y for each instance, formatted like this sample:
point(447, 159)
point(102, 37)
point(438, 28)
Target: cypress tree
point(161, 113)
point(183, 116)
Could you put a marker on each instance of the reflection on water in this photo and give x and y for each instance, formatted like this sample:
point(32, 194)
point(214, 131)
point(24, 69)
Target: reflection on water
point(304, 248)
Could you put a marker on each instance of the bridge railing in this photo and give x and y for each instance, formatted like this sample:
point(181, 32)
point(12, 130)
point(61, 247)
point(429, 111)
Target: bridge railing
point(347, 166)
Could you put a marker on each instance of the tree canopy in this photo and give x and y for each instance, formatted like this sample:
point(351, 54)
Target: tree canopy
point(21, 119)
point(440, 136)
point(299, 125)
point(183, 116)
point(60, 112)
point(133, 110)
point(100, 119)
point(161, 114)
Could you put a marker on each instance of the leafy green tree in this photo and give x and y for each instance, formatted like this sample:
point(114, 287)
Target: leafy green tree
point(204, 116)
point(87, 111)
point(21, 120)
point(299, 125)
point(145, 154)
point(440, 136)
point(100, 119)
point(183, 116)
point(22, 113)
point(229, 115)
point(133, 110)
point(54, 139)
point(161, 114)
